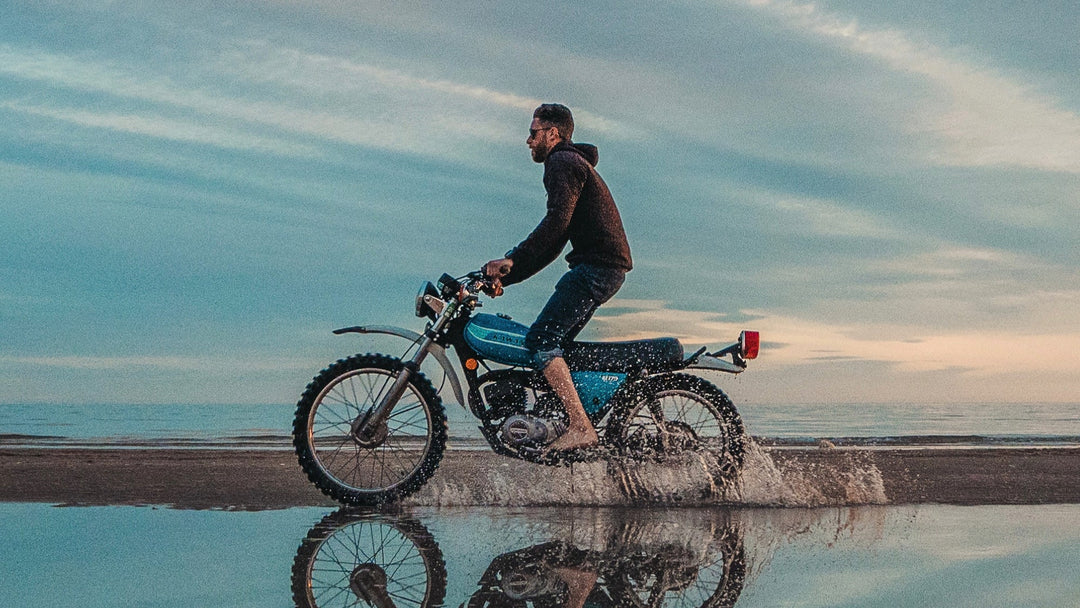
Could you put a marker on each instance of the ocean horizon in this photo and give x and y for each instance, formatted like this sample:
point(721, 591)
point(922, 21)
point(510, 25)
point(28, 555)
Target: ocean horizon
point(269, 425)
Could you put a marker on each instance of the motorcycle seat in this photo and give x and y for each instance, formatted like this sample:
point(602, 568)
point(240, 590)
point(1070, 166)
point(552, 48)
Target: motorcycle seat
point(657, 354)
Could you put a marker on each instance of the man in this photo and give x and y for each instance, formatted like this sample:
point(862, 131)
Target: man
point(580, 211)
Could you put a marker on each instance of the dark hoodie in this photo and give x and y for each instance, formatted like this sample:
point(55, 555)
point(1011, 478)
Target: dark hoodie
point(579, 210)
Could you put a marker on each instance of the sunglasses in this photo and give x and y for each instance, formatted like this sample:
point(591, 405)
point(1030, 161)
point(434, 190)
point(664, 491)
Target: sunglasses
point(533, 132)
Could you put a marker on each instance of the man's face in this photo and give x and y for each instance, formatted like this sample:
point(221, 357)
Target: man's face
point(541, 140)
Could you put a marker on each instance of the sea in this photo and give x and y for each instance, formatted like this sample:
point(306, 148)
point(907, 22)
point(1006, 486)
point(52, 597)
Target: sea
point(268, 426)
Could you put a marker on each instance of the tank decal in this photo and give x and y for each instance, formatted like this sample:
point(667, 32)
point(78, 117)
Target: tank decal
point(500, 338)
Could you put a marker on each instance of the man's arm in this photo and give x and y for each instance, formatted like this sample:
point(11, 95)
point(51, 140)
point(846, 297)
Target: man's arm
point(564, 176)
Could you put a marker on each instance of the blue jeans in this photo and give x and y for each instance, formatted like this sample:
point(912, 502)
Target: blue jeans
point(577, 296)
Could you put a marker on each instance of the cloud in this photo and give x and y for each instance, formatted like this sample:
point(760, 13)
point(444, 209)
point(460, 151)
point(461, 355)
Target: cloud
point(315, 73)
point(798, 341)
point(364, 105)
point(820, 217)
point(169, 364)
point(164, 128)
point(959, 261)
point(987, 119)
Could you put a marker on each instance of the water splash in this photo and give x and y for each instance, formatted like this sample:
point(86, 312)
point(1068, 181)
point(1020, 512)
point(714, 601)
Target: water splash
point(688, 479)
point(847, 479)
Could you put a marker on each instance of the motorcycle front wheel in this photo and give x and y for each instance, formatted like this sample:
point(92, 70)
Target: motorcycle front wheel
point(678, 412)
point(378, 465)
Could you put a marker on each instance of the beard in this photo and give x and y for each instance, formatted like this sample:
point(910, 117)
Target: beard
point(540, 153)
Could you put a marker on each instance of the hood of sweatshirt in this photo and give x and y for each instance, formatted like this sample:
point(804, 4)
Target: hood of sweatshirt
point(586, 151)
point(589, 151)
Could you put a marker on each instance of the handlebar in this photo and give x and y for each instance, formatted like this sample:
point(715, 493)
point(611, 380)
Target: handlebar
point(490, 286)
point(469, 285)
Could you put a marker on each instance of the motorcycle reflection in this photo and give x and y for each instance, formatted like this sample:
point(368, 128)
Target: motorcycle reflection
point(352, 559)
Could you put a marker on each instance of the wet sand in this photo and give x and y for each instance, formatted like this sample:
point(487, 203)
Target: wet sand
point(271, 479)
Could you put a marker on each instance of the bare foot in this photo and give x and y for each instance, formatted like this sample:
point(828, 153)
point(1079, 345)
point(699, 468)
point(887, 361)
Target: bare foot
point(572, 439)
point(579, 584)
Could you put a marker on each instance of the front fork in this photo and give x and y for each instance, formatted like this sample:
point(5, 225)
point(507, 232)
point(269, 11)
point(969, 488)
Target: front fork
point(370, 429)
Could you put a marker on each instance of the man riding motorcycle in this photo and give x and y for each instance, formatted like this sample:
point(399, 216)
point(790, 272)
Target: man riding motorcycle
point(581, 211)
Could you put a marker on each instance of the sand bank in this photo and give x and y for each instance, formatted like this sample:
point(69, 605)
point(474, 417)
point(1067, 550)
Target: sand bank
point(271, 479)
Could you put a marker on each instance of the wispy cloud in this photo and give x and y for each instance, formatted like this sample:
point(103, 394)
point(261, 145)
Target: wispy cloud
point(187, 364)
point(128, 83)
point(257, 61)
point(799, 341)
point(820, 217)
point(987, 118)
point(955, 261)
point(363, 105)
point(169, 129)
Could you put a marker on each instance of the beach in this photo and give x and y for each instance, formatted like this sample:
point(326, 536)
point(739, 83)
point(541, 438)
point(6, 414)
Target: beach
point(271, 479)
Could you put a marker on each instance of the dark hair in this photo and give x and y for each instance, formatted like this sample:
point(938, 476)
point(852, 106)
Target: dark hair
point(557, 115)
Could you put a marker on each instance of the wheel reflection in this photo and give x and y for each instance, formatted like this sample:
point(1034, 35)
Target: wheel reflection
point(356, 559)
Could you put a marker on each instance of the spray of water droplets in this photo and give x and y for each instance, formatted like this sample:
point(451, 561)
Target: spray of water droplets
point(688, 479)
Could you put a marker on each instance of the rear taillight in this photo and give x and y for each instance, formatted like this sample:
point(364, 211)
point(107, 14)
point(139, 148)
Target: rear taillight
point(749, 342)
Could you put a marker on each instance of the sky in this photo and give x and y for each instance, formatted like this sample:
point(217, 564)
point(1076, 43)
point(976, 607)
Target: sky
point(194, 194)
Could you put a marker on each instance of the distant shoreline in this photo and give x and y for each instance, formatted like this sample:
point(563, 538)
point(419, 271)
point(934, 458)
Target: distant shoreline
point(258, 441)
point(248, 479)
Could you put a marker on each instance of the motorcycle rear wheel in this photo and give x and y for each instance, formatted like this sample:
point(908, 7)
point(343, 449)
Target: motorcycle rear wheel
point(396, 460)
point(678, 412)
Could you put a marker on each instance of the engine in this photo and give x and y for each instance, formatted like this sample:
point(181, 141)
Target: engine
point(531, 417)
point(522, 430)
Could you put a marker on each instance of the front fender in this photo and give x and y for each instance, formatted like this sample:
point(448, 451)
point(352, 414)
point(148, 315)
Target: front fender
point(436, 351)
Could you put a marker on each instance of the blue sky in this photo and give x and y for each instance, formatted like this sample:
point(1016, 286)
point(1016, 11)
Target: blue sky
point(194, 195)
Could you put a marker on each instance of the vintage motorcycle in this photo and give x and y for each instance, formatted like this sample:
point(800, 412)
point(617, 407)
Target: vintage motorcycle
point(370, 429)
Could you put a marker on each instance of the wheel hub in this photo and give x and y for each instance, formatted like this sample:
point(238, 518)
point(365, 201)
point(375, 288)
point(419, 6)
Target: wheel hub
point(368, 582)
point(368, 436)
point(679, 436)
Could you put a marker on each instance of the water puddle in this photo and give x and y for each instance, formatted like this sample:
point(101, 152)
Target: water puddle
point(563, 557)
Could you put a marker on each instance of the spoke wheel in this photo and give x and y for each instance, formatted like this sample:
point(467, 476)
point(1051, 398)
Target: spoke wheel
point(676, 413)
point(717, 582)
point(353, 560)
point(377, 465)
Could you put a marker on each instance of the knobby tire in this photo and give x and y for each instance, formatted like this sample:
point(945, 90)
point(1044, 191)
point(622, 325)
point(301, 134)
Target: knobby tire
point(349, 472)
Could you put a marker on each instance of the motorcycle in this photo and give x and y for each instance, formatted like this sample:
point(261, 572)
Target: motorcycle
point(371, 429)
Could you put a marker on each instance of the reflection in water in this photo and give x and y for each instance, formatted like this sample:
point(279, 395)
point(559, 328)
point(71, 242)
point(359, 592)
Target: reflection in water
point(621, 558)
point(350, 559)
point(559, 574)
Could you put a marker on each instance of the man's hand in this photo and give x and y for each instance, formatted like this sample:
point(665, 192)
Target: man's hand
point(493, 289)
point(497, 269)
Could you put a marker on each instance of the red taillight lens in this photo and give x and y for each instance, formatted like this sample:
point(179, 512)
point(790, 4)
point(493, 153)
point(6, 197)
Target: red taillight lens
point(749, 342)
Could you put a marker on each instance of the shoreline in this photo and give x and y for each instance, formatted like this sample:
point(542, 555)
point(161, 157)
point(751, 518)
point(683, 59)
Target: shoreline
point(258, 479)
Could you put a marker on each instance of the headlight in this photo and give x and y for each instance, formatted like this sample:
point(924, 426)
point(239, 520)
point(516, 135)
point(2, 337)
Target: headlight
point(423, 309)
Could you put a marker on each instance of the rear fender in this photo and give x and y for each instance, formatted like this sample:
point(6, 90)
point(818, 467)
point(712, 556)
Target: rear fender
point(715, 363)
point(436, 351)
